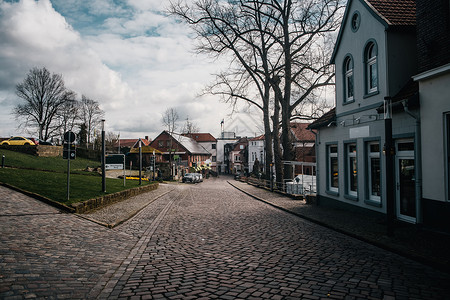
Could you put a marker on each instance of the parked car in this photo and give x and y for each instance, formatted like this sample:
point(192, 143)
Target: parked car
point(199, 177)
point(189, 177)
point(18, 140)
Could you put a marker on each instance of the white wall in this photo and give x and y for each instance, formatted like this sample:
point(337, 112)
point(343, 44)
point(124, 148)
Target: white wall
point(434, 102)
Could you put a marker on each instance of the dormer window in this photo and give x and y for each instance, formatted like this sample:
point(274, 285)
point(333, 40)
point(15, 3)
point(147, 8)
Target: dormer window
point(348, 77)
point(371, 53)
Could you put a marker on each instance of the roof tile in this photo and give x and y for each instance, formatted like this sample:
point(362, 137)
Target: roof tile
point(396, 12)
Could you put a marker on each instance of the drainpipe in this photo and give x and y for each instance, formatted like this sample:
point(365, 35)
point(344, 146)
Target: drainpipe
point(389, 151)
point(317, 165)
point(418, 160)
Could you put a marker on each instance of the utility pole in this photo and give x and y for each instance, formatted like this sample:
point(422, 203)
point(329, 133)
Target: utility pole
point(103, 158)
point(140, 161)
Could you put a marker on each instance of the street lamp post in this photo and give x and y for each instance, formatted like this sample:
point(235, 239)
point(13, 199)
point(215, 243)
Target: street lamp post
point(103, 158)
point(140, 161)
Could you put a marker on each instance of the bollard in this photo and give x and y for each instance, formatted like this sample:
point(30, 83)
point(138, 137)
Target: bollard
point(3, 161)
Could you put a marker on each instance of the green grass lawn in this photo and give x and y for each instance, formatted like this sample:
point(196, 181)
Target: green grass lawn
point(47, 176)
point(26, 161)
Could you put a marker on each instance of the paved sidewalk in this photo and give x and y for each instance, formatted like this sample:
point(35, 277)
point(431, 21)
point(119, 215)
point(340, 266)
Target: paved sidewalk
point(411, 241)
point(119, 212)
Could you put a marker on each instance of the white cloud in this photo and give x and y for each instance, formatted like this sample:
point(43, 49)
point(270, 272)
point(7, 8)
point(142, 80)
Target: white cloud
point(130, 58)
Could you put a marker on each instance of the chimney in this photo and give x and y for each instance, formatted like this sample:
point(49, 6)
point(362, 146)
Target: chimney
point(146, 137)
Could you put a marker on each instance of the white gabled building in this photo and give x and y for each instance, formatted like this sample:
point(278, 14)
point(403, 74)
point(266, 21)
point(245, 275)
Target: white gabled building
point(256, 151)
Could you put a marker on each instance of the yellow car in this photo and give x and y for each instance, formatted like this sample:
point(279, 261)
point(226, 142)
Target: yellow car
point(18, 140)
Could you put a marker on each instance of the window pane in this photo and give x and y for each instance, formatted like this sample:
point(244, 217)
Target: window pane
point(334, 172)
point(375, 148)
point(333, 149)
point(353, 175)
point(406, 146)
point(375, 176)
point(350, 86)
point(373, 76)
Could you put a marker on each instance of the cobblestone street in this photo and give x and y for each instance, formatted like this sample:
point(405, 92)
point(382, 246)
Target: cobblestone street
point(206, 240)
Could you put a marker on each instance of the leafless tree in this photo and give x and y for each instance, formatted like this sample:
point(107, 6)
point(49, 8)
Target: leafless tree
point(280, 54)
point(111, 140)
point(44, 95)
point(91, 116)
point(190, 127)
point(69, 115)
point(234, 29)
point(170, 120)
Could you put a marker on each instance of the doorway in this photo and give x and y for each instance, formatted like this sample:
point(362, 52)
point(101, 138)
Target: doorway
point(405, 181)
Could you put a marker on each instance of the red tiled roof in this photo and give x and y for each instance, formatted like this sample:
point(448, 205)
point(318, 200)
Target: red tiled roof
point(201, 137)
point(301, 132)
point(125, 143)
point(395, 12)
point(131, 142)
point(258, 138)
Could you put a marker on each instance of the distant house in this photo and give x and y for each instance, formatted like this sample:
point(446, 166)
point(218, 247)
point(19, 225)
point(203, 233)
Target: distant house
point(304, 147)
point(207, 141)
point(147, 152)
point(256, 152)
point(180, 153)
point(125, 145)
point(225, 144)
point(239, 157)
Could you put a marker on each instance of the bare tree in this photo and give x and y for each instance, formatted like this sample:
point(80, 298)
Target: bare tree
point(170, 119)
point(280, 54)
point(44, 95)
point(190, 127)
point(69, 114)
point(91, 116)
point(225, 28)
point(111, 140)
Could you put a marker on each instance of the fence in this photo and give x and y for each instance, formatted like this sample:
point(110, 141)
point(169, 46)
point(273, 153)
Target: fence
point(302, 184)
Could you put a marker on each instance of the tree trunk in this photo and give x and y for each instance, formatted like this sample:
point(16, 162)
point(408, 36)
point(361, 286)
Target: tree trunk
point(276, 130)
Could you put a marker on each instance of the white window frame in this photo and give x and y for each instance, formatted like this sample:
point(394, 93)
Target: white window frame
point(447, 154)
point(352, 166)
point(348, 75)
point(369, 156)
point(330, 157)
point(371, 67)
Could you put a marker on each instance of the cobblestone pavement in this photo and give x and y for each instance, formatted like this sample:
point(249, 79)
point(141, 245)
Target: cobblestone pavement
point(199, 241)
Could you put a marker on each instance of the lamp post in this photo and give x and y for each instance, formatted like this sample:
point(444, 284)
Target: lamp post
point(389, 154)
point(140, 161)
point(103, 158)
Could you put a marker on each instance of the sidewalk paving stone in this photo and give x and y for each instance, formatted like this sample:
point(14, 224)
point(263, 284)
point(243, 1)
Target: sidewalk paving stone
point(409, 240)
point(200, 241)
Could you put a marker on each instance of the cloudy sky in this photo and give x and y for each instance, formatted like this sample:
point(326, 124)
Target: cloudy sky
point(126, 54)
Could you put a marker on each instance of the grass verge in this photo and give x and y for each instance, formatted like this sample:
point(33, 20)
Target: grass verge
point(47, 176)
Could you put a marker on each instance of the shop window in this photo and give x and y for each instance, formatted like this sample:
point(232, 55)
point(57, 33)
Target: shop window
point(352, 170)
point(373, 172)
point(333, 169)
